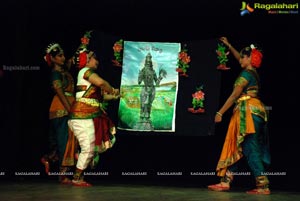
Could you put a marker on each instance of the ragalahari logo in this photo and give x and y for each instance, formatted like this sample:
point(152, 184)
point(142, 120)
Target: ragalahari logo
point(246, 9)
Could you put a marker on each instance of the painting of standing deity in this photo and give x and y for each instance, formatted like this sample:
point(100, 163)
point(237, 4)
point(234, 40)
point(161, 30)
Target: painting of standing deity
point(149, 86)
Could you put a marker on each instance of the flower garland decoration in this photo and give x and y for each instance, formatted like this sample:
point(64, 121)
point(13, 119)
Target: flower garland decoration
point(118, 47)
point(85, 40)
point(183, 62)
point(81, 55)
point(198, 101)
point(222, 57)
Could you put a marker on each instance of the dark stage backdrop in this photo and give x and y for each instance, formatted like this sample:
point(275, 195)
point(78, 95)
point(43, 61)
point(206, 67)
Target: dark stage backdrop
point(202, 72)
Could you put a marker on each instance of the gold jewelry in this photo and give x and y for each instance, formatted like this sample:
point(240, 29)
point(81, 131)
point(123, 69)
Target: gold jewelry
point(219, 113)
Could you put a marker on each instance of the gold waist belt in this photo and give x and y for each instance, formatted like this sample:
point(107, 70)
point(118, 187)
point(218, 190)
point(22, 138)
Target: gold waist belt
point(243, 98)
point(68, 93)
point(89, 101)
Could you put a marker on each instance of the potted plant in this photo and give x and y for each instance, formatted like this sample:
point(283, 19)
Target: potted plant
point(198, 101)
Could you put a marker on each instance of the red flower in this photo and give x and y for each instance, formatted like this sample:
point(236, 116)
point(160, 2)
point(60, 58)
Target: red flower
point(117, 47)
point(198, 98)
point(198, 95)
point(184, 57)
point(183, 62)
point(85, 40)
point(256, 58)
point(48, 59)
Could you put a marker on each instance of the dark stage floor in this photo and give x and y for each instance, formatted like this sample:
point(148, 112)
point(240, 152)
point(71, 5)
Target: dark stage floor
point(119, 191)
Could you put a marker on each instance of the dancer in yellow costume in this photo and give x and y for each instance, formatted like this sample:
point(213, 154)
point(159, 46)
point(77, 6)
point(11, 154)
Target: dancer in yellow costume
point(246, 134)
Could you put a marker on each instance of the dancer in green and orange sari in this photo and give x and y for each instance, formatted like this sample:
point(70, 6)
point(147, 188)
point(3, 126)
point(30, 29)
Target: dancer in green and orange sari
point(63, 85)
point(246, 134)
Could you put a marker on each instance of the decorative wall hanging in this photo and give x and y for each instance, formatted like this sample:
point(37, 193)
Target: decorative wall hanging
point(198, 101)
point(118, 53)
point(222, 57)
point(183, 62)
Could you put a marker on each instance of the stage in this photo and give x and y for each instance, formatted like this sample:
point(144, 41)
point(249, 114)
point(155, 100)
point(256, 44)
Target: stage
point(125, 191)
point(27, 96)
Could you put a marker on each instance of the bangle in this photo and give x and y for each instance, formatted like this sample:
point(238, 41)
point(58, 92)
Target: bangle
point(219, 113)
point(113, 90)
point(229, 46)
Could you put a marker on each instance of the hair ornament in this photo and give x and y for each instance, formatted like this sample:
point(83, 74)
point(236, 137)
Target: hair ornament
point(256, 56)
point(52, 49)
